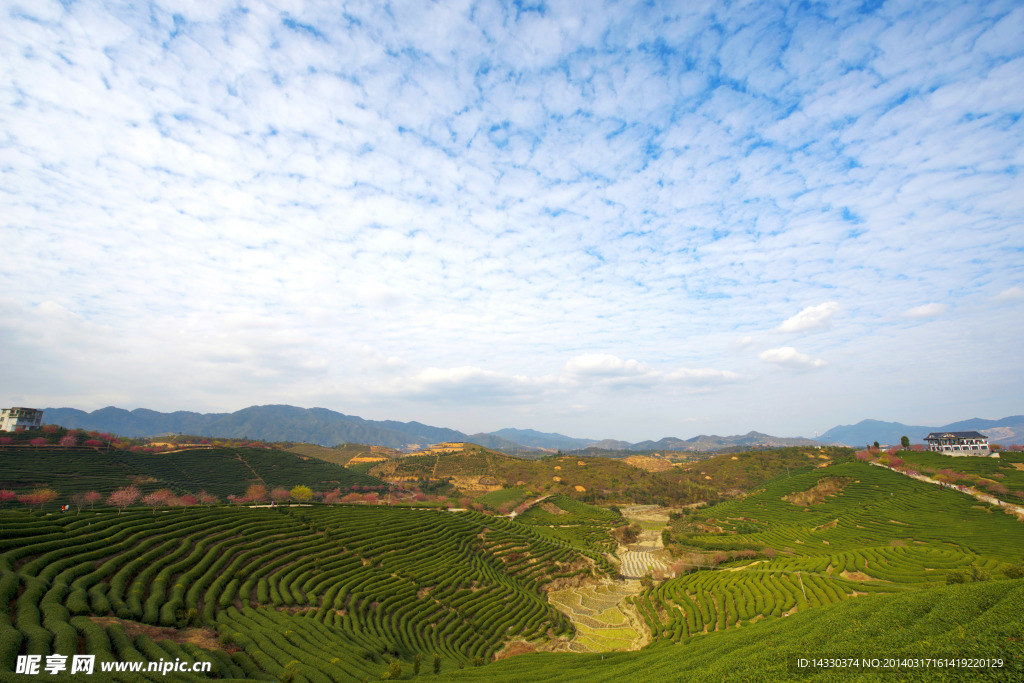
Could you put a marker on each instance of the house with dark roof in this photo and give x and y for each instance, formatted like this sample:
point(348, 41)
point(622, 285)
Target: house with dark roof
point(958, 443)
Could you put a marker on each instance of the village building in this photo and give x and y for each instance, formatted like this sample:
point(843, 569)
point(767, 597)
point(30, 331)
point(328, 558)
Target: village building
point(27, 418)
point(958, 443)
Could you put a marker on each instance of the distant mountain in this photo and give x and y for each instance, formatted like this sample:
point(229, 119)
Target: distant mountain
point(531, 437)
point(1007, 430)
point(611, 445)
point(714, 442)
point(271, 423)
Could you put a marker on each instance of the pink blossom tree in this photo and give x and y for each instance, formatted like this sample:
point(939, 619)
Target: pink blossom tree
point(208, 498)
point(6, 496)
point(123, 497)
point(93, 497)
point(160, 498)
point(256, 493)
point(38, 497)
point(6, 441)
point(38, 441)
point(186, 501)
point(280, 495)
point(68, 440)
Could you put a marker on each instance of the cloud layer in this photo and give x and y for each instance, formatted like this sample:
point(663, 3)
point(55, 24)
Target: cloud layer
point(579, 217)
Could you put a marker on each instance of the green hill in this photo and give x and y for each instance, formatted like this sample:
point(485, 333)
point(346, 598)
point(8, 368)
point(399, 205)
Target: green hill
point(978, 621)
point(324, 593)
point(220, 471)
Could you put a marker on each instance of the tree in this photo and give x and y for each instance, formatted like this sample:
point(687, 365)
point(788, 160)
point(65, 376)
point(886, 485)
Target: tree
point(905, 442)
point(208, 498)
point(123, 497)
point(437, 663)
point(417, 662)
point(68, 439)
point(280, 495)
point(877, 446)
point(301, 494)
point(158, 499)
point(6, 496)
point(93, 497)
point(38, 441)
point(256, 493)
point(38, 497)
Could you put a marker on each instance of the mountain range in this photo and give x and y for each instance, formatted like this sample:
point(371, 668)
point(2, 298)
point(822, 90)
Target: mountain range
point(329, 428)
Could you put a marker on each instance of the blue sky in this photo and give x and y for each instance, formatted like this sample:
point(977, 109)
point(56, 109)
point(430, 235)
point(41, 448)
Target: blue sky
point(620, 220)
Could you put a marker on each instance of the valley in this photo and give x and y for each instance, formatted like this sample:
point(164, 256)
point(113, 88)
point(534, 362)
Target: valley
point(482, 566)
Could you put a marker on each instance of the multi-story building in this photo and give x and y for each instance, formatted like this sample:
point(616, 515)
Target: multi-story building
point(12, 418)
point(958, 443)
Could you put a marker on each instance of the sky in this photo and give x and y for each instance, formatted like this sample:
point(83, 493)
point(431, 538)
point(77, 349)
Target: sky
point(623, 220)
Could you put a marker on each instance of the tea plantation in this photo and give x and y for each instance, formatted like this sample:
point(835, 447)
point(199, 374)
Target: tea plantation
point(319, 594)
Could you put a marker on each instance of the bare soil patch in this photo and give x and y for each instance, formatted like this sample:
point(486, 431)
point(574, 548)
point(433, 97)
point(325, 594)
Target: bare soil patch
point(202, 637)
point(826, 486)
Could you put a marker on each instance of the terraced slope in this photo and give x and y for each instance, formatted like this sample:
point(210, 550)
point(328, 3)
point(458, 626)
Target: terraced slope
point(980, 620)
point(603, 621)
point(317, 594)
point(220, 471)
point(882, 533)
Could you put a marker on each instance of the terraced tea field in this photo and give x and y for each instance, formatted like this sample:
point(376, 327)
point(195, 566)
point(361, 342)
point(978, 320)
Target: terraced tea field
point(220, 471)
point(603, 619)
point(882, 533)
point(318, 594)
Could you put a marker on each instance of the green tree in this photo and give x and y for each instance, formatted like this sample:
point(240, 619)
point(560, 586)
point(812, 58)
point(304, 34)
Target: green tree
point(437, 663)
point(905, 442)
point(876, 445)
point(417, 662)
point(301, 494)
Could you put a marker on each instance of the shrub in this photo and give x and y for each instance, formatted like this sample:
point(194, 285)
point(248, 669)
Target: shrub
point(1014, 572)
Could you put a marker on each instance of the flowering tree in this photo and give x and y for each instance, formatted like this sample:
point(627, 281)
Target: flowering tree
point(332, 497)
point(6, 441)
point(68, 440)
point(38, 441)
point(280, 495)
point(49, 429)
point(123, 497)
point(93, 442)
point(158, 499)
point(93, 497)
point(208, 498)
point(38, 497)
point(6, 496)
point(256, 493)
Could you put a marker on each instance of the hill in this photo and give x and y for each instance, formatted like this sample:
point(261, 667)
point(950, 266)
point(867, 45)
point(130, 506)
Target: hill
point(269, 423)
point(1006, 430)
point(219, 471)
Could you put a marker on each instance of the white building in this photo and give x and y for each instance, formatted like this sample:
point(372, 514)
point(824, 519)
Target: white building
point(958, 443)
point(12, 418)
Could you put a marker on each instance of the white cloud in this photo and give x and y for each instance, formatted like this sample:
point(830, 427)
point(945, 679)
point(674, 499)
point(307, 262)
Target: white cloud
point(788, 357)
point(228, 206)
point(926, 311)
point(1011, 294)
point(811, 318)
